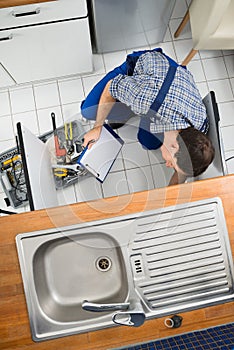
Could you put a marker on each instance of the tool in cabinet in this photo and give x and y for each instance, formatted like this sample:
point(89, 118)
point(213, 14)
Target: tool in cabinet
point(59, 151)
point(69, 138)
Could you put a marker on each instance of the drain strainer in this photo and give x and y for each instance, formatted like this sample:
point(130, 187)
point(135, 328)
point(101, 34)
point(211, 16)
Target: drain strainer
point(103, 263)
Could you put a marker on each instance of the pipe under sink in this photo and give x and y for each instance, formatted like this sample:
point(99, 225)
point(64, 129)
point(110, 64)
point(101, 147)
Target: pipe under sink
point(128, 269)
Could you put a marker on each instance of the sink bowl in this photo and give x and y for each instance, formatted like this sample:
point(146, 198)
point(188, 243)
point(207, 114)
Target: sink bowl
point(156, 262)
point(69, 270)
point(63, 268)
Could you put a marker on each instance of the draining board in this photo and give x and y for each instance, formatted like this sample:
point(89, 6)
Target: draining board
point(181, 257)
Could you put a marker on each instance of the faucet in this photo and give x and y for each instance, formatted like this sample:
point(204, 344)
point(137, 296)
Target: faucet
point(127, 314)
point(96, 307)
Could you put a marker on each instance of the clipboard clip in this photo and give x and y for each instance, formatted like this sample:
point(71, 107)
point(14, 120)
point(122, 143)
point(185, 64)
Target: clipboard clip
point(89, 143)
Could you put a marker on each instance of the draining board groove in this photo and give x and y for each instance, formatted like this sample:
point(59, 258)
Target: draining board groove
point(184, 257)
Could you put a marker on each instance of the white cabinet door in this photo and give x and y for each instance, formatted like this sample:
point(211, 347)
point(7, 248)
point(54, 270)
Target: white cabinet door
point(5, 78)
point(47, 51)
point(17, 16)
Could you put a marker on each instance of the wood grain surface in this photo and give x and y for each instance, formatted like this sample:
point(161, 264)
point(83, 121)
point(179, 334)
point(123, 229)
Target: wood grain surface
point(10, 3)
point(14, 324)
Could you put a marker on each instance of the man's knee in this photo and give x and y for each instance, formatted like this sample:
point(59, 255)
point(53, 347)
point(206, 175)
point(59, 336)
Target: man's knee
point(87, 111)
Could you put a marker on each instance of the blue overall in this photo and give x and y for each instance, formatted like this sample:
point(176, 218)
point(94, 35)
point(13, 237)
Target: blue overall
point(120, 112)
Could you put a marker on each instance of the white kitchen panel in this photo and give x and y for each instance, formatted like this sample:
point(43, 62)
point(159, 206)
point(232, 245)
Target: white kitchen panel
point(22, 99)
point(229, 156)
point(134, 155)
point(5, 78)
point(182, 47)
point(140, 179)
point(210, 53)
point(71, 90)
point(18, 16)
point(230, 166)
point(6, 145)
point(4, 103)
point(46, 95)
point(185, 34)
point(222, 89)
point(69, 110)
point(88, 188)
point(45, 121)
point(229, 61)
point(226, 112)
point(114, 59)
point(120, 25)
point(66, 196)
point(129, 131)
point(179, 9)
point(118, 164)
point(228, 140)
point(155, 156)
point(215, 68)
point(6, 130)
point(90, 81)
point(115, 184)
point(47, 51)
point(168, 49)
point(203, 88)
point(195, 67)
point(27, 118)
point(161, 175)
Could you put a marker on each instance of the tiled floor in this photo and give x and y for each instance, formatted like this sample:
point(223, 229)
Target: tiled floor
point(216, 338)
point(135, 169)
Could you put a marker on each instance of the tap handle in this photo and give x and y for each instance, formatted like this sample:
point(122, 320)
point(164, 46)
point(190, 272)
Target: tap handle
point(129, 318)
point(96, 307)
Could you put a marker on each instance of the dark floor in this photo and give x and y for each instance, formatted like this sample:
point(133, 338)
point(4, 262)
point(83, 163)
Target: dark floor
point(217, 338)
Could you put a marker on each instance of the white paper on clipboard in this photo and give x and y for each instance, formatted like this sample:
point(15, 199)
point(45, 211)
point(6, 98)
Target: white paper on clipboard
point(99, 159)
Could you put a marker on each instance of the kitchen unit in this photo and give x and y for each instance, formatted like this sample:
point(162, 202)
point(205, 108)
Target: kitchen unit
point(44, 40)
point(14, 325)
point(121, 25)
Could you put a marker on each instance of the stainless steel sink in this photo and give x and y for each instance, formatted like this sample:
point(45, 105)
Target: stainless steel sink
point(68, 270)
point(145, 265)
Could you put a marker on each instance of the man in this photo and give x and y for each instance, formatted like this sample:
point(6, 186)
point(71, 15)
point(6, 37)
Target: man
point(164, 94)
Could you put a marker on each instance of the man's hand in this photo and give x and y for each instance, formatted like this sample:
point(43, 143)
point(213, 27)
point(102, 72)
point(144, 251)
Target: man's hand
point(92, 136)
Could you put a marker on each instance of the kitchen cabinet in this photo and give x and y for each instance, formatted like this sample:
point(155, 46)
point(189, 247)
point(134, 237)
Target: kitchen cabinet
point(9, 3)
point(45, 40)
point(122, 25)
point(45, 12)
point(5, 78)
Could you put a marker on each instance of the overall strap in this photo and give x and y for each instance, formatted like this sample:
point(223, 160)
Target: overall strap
point(164, 88)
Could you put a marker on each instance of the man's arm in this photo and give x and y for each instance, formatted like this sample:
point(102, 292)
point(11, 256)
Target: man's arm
point(104, 107)
point(177, 178)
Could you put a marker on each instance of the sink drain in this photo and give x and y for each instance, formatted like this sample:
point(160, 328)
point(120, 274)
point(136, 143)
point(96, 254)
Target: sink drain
point(103, 264)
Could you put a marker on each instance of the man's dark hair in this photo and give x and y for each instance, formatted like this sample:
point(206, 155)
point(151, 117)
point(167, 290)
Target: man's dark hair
point(195, 153)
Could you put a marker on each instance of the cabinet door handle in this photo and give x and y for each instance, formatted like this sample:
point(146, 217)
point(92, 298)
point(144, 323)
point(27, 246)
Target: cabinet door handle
point(9, 37)
point(24, 14)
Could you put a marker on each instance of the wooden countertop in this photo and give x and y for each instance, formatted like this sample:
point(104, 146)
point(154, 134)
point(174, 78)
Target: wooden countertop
point(10, 3)
point(14, 324)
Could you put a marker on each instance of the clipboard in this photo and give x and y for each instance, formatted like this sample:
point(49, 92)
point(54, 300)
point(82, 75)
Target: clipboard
point(99, 159)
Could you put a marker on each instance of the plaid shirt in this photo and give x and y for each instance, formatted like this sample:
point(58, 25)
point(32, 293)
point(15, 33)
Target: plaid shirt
point(182, 106)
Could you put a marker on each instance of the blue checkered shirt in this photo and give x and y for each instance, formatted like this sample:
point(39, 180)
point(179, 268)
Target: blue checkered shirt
point(182, 106)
